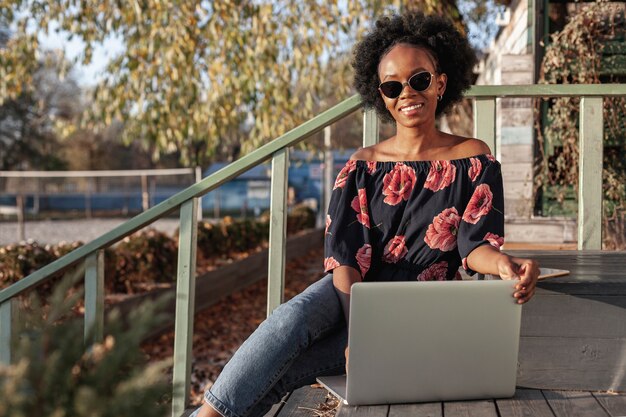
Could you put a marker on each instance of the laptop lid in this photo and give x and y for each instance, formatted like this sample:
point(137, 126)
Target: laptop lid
point(432, 341)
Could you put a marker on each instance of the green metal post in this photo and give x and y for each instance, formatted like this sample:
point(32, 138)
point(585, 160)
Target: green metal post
point(590, 174)
point(485, 121)
point(94, 297)
point(370, 128)
point(278, 230)
point(185, 304)
point(8, 314)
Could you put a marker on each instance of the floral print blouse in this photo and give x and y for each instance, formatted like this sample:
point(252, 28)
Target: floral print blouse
point(413, 220)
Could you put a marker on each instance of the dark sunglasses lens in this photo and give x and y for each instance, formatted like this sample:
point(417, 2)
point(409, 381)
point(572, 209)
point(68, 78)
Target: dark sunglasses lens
point(391, 89)
point(420, 81)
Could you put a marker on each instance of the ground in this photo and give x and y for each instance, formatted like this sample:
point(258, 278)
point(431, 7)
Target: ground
point(220, 329)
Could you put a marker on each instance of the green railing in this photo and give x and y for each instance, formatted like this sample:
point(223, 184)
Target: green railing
point(590, 201)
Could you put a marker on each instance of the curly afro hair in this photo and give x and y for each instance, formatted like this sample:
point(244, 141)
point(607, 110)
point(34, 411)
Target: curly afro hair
point(450, 49)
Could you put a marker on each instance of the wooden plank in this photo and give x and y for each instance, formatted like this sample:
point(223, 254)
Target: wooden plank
point(525, 403)
point(590, 364)
point(485, 122)
point(592, 272)
point(615, 404)
point(590, 176)
point(185, 309)
point(8, 317)
point(416, 410)
point(547, 90)
point(278, 231)
point(94, 298)
point(574, 404)
point(362, 411)
point(470, 409)
point(371, 128)
point(558, 315)
point(302, 401)
point(276, 408)
point(517, 153)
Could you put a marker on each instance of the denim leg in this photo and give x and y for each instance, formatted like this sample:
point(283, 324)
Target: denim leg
point(325, 357)
point(269, 353)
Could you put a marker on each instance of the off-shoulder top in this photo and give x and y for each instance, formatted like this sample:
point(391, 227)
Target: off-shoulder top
point(413, 220)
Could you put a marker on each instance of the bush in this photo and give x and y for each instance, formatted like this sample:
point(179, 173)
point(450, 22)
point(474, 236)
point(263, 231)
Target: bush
point(55, 374)
point(22, 259)
point(151, 256)
point(147, 256)
point(301, 218)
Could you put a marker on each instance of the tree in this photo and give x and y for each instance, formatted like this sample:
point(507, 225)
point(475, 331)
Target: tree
point(205, 78)
point(29, 120)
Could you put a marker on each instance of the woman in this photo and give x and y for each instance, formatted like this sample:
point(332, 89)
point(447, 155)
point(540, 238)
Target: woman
point(416, 206)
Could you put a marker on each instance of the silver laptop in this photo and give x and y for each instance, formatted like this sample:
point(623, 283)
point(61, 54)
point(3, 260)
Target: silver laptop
point(430, 341)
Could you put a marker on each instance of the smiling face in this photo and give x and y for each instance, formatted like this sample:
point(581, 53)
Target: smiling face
point(412, 108)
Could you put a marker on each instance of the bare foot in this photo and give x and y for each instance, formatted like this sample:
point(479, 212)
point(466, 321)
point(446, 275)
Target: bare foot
point(208, 411)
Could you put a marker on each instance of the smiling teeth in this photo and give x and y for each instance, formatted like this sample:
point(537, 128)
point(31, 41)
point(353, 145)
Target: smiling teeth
point(413, 107)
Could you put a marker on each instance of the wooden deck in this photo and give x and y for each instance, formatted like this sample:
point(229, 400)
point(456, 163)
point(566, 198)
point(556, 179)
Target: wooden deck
point(525, 403)
point(572, 351)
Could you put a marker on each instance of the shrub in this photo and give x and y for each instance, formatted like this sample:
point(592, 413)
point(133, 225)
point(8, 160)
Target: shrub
point(55, 374)
point(22, 259)
point(147, 256)
point(301, 218)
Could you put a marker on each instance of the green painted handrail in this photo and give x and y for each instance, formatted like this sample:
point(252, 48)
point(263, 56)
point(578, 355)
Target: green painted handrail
point(547, 90)
point(254, 158)
point(230, 171)
point(187, 200)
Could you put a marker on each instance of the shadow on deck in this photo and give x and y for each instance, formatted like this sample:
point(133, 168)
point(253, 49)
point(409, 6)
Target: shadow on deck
point(526, 402)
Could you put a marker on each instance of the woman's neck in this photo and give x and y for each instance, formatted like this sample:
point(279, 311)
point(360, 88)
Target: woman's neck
point(414, 141)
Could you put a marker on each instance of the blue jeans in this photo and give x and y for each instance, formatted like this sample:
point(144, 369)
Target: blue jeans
point(301, 340)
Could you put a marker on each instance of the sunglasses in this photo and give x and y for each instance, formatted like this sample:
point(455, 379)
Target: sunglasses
point(418, 82)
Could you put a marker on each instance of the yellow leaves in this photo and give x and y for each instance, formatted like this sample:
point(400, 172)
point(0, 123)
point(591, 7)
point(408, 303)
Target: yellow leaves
point(211, 68)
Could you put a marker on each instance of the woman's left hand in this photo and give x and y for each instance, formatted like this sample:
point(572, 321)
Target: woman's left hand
point(526, 270)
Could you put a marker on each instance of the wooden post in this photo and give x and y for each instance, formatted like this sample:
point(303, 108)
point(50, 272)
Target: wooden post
point(145, 194)
point(21, 218)
point(185, 305)
point(278, 230)
point(590, 174)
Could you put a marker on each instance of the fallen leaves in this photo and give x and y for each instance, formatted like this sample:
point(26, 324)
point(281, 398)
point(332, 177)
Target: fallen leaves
point(223, 327)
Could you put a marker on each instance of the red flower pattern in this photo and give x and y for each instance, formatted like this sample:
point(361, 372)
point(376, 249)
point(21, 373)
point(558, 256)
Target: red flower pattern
point(479, 205)
point(464, 263)
point(442, 232)
point(474, 170)
point(330, 263)
point(371, 167)
point(328, 222)
point(342, 177)
point(359, 204)
point(435, 272)
point(491, 157)
point(395, 250)
point(398, 184)
point(441, 175)
point(364, 258)
point(495, 240)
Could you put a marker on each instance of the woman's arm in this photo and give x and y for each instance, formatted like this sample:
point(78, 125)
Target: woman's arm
point(486, 259)
point(343, 278)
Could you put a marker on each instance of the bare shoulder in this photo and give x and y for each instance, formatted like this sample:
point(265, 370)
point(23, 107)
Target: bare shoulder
point(467, 147)
point(365, 154)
